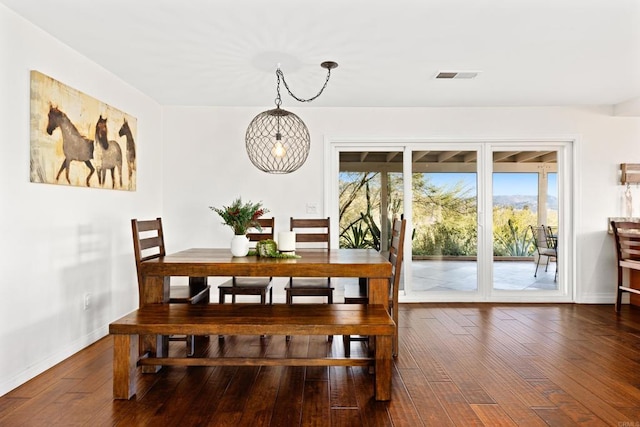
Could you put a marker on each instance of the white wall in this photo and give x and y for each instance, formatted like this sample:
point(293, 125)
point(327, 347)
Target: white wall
point(220, 169)
point(57, 242)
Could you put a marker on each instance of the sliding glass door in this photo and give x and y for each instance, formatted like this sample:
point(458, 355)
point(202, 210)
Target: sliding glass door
point(370, 195)
point(444, 243)
point(525, 220)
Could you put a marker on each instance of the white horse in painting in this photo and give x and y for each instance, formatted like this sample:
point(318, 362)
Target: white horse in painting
point(107, 154)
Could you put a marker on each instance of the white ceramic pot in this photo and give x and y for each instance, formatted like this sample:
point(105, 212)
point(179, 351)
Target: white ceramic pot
point(240, 245)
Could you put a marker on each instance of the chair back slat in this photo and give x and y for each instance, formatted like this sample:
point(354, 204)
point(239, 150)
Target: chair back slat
point(627, 236)
point(149, 225)
point(312, 230)
point(150, 243)
point(267, 225)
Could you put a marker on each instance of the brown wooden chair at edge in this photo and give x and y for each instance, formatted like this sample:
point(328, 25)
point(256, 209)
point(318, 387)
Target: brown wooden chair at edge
point(358, 295)
point(627, 236)
point(316, 232)
point(148, 243)
point(251, 285)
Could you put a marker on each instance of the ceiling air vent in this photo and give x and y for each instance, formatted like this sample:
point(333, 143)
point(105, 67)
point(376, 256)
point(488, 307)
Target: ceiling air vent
point(457, 74)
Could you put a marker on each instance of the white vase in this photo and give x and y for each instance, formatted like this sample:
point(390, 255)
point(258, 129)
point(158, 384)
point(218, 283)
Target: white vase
point(240, 245)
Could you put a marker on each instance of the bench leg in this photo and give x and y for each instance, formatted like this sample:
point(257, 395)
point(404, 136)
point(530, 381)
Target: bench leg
point(125, 359)
point(383, 367)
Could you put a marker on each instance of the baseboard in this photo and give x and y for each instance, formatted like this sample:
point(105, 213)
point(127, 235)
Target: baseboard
point(604, 298)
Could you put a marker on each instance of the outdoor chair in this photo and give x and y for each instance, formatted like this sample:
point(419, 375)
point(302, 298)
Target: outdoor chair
point(545, 245)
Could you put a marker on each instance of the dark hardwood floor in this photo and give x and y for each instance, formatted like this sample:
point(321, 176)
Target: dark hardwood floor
point(459, 364)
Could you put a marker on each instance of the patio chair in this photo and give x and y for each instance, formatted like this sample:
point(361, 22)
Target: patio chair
point(545, 247)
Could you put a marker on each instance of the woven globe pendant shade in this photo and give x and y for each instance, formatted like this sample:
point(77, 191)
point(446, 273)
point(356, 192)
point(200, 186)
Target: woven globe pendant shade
point(277, 141)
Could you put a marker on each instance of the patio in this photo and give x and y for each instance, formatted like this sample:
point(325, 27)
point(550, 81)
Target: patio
point(441, 275)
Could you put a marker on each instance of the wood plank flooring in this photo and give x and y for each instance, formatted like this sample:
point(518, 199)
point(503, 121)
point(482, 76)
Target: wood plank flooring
point(459, 365)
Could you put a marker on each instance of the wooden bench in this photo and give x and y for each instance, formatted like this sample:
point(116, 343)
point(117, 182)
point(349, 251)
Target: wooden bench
point(250, 319)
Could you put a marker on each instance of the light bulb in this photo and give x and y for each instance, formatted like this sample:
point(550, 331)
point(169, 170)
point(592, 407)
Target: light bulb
point(278, 149)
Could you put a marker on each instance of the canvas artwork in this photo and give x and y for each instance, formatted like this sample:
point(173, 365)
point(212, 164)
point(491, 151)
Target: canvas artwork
point(77, 140)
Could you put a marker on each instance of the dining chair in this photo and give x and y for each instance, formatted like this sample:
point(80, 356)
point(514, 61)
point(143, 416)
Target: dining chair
point(251, 285)
point(543, 242)
point(627, 237)
point(358, 295)
point(310, 233)
point(148, 244)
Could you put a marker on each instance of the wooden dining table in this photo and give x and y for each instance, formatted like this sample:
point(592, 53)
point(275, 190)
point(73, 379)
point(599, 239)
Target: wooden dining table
point(205, 262)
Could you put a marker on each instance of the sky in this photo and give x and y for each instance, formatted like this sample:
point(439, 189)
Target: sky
point(504, 184)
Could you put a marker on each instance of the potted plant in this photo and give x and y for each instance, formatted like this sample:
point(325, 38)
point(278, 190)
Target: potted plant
point(241, 217)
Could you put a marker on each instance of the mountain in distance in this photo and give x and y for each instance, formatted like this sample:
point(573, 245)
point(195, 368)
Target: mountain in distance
point(520, 202)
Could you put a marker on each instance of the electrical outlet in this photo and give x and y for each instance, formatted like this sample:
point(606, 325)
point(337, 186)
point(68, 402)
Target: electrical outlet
point(87, 301)
point(312, 208)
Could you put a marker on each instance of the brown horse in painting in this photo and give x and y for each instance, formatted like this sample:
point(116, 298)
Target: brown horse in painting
point(74, 146)
point(131, 149)
point(108, 155)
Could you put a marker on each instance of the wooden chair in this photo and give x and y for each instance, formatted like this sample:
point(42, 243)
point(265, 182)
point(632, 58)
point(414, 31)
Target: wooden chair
point(314, 233)
point(148, 243)
point(627, 236)
point(358, 295)
point(251, 285)
point(544, 246)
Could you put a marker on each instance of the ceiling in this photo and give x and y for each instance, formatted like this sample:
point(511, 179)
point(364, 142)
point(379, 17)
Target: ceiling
point(225, 52)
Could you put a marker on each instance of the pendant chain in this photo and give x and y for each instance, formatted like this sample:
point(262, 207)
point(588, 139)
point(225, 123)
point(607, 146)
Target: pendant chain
point(280, 74)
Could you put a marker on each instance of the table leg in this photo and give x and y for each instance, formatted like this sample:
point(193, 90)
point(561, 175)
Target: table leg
point(379, 291)
point(155, 290)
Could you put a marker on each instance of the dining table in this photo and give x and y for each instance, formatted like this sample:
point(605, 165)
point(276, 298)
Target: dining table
point(366, 264)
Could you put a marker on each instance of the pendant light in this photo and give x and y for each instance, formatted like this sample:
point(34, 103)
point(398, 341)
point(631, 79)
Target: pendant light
point(277, 140)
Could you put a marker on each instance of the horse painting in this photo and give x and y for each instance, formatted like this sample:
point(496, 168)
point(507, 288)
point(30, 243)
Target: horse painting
point(131, 150)
point(108, 155)
point(74, 146)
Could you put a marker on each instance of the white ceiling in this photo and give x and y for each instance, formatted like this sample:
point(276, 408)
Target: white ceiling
point(225, 52)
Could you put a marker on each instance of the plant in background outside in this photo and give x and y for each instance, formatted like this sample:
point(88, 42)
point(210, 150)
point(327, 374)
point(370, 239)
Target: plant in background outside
point(241, 216)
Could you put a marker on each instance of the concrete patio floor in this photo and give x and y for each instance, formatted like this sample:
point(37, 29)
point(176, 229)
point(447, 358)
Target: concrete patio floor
point(440, 275)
